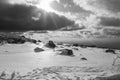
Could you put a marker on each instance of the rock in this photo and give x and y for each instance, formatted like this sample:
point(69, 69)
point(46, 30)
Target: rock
point(75, 49)
point(93, 46)
point(66, 52)
point(76, 45)
point(83, 46)
point(10, 41)
point(83, 59)
point(32, 41)
point(18, 40)
point(50, 44)
point(14, 39)
point(39, 41)
point(37, 49)
point(110, 51)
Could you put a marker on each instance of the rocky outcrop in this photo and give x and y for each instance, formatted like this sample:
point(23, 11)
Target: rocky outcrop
point(16, 39)
point(39, 41)
point(76, 45)
point(31, 40)
point(66, 52)
point(84, 59)
point(110, 51)
point(37, 49)
point(50, 44)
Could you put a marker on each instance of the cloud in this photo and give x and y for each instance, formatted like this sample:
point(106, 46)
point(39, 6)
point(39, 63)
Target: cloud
point(104, 14)
point(115, 32)
point(111, 5)
point(20, 17)
point(109, 8)
point(71, 11)
point(68, 6)
point(101, 8)
point(3, 1)
point(105, 21)
point(98, 17)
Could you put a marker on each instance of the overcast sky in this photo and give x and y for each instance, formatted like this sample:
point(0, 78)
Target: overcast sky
point(92, 15)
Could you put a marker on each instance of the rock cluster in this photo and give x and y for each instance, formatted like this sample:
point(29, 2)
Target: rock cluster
point(16, 39)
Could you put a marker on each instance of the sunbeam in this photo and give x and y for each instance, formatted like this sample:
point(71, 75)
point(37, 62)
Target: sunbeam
point(45, 5)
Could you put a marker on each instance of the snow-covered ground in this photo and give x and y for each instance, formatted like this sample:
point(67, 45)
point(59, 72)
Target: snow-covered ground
point(48, 65)
point(22, 58)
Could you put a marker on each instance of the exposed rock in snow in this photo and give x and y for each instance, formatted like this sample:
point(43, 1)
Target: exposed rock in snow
point(75, 48)
point(39, 41)
point(88, 63)
point(110, 51)
point(76, 45)
point(83, 59)
point(37, 49)
point(83, 46)
point(16, 39)
point(50, 44)
point(66, 52)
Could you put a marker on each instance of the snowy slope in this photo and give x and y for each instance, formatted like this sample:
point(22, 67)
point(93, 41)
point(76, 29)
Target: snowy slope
point(52, 66)
point(22, 58)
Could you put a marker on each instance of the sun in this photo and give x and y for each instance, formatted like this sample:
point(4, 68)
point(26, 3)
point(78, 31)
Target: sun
point(45, 5)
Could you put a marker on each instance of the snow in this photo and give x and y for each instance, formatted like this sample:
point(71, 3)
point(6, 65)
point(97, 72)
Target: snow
point(22, 58)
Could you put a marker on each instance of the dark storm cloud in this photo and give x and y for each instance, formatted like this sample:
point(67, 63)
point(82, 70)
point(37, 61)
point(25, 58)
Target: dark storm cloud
point(71, 10)
point(19, 17)
point(110, 22)
point(112, 5)
point(102, 8)
point(15, 12)
point(3, 1)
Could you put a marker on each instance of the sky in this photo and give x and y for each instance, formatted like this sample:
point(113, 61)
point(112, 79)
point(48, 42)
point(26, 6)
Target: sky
point(94, 17)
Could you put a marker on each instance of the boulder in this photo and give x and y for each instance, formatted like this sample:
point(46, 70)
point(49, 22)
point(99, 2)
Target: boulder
point(75, 49)
point(39, 41)
point(37, 49)
point(32, 41)
point(76, 45)
point(84, 59)
point(110, 51)
point(50, 44)
point(66, 52)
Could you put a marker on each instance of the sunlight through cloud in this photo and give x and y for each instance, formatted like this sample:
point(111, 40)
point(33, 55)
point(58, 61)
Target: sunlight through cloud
point(45, 5)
